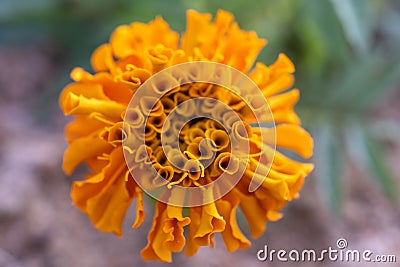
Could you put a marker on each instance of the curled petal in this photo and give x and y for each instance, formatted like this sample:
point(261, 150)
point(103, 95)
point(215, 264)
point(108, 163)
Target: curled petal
point(75, 104)
point(219, 137)
point(92, 90)
point(160, 57)
point(133, 77)
point(227, 163)
point(114, 135)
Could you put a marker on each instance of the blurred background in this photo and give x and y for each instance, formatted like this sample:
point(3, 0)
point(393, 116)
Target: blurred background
point(347, 56)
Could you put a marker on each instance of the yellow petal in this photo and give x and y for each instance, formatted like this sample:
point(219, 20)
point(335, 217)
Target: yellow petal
point(80, 75)
point(211, 222)
point(156, 237)
point(275, 78)
point(95, 164)
point(260, 75)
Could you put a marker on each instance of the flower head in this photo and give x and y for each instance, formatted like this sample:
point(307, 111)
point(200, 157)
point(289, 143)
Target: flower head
point(178, 152)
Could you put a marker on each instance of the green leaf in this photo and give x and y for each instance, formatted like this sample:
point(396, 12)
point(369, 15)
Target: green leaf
point(328, 164)
point(356, 26)
point(354, 76)
point(378, 87)
point(379, 168)
point(355, 143)
point(391, 133)
point(368, 154)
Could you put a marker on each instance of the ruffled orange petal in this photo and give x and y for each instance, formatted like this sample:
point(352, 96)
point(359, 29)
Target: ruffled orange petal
point(107, 209)
point(104, 197)
point(136, 192)
point(79, 105)
point(82, 149)
point(205, 222)
point(291, 137)
point(137, 37)
point(282, 107)
point(166, 234)
point(240, 48)
point(102, 59)
point(233, 237)
point(199, 33)
point(222, 41)
point(282, 65)
point(82, 126)
point(253, 212)
point(88, 90)
point(275, 78)
point(283, 164)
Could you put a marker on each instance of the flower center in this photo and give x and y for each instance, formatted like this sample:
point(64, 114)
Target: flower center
point(197, 159)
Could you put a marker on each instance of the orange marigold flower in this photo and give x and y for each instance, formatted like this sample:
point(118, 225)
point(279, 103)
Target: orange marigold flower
point(105, 119)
